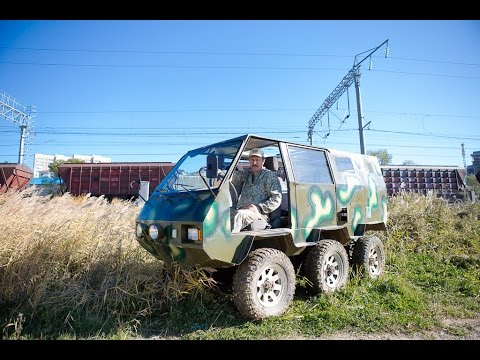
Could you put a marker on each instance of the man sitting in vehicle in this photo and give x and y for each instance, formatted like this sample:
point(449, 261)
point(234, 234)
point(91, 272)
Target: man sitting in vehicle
point(260, 194)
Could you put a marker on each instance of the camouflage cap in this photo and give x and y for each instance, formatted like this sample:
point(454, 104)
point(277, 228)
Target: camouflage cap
point(256, 152)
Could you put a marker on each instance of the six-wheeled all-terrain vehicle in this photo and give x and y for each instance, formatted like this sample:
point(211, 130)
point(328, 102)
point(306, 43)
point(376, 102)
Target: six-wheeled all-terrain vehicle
point(330, 200)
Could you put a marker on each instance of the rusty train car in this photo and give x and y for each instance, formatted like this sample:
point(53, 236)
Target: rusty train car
point(445, 181)
point(14, 177)
point(122, 179)
point(113, 180)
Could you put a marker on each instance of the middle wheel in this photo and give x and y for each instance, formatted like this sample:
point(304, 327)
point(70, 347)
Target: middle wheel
point(326, 266)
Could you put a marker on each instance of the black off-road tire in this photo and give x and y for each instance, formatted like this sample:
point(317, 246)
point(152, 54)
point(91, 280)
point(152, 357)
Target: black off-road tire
point(264, 284)
point(369, 256)
point(326, 267)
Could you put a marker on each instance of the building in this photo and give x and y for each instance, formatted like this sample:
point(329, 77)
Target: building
point(42, 161)
point(476, 161)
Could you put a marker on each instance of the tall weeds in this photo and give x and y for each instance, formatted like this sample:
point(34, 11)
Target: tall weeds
point(432, 225)
point(72, 264)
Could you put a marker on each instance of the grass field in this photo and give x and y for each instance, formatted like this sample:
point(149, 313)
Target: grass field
point(71, 268)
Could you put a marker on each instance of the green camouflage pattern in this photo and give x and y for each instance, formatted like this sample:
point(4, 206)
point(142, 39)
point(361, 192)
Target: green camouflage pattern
point(313, 209)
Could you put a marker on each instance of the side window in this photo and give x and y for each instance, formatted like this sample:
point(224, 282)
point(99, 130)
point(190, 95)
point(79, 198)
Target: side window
point(309, 165)
point(344, 164)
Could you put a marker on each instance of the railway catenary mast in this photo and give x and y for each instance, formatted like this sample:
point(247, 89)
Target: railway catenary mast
point(352, 75)
point(21, 115)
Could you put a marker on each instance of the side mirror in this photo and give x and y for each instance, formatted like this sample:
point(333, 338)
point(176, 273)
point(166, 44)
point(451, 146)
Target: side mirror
point(212, 166)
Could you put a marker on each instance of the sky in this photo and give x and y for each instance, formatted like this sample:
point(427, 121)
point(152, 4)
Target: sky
point(150, 90)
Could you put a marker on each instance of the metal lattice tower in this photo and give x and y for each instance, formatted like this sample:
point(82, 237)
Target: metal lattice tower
point(21, 115)
point(353, 75)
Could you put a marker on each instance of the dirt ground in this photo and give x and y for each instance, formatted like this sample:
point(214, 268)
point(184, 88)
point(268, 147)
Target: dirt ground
point(457, 329)
point(451, 329)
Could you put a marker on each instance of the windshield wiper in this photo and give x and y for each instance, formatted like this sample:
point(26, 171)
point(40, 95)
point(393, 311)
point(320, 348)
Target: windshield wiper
point(184, 186)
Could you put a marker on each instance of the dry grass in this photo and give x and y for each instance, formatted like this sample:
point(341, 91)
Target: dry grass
point(73, 264)
point(431, 224)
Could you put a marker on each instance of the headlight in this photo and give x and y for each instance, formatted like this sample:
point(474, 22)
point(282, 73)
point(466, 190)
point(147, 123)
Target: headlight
point(139, 230)
point(153, 232)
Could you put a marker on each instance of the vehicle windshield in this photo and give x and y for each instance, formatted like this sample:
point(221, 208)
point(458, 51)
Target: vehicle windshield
point(185, 176)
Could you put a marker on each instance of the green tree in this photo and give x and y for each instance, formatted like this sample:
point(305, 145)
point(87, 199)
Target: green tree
point(384, 158)
point(53, 167)
point(473, 183)
point(408, 162)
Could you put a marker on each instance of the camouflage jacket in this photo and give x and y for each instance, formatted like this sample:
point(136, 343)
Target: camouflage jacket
point(264, 191)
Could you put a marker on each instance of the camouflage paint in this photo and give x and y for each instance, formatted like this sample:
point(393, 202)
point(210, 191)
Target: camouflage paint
point(177, 207)
point(345, 192)
point(312, 206)
point(360, 190)
point(218, 242)
point(356, 218)
point(372, 194)
point(320, 209)
point(384, 208)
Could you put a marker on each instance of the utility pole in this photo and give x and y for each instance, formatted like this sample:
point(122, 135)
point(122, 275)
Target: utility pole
point(463, 155)
point(20, 115)
point(353, 75)
point(359, 111)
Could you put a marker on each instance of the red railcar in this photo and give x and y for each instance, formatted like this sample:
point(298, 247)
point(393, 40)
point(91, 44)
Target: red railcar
point(445, 181)
point(120, 180)
point(14, 176)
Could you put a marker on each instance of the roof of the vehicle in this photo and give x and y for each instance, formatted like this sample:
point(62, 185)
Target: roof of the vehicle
point(262, 139)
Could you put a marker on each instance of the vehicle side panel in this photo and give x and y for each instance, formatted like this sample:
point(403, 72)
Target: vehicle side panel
point(360, 189)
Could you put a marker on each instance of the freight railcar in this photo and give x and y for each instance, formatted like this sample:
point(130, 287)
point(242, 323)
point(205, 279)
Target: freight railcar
point(113, 180)
point(14, 177)
point(445, 181)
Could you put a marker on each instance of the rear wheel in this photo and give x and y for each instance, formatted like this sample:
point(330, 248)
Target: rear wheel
point(264, 284)
point(326, 266)
point(369, 256)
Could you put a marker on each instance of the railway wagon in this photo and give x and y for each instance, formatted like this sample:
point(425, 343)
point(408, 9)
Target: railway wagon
point(113, 180)
point(14, 176)
point(446, 181)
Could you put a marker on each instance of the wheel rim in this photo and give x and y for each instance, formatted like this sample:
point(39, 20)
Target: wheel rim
point(332, 270)
point(373, 263)
point(270, 286)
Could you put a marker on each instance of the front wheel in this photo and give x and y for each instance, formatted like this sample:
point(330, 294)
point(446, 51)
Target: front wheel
point(264, 284)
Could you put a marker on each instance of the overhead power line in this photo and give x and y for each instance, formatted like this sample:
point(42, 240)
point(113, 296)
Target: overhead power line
point(228, 68)
point(185, 52)
point(175, 66)
point(234, 53)
point(190, 131)
point(141, 111)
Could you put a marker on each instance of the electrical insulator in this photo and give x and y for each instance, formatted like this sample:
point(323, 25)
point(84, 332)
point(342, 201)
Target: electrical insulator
point(370, 64)
point(387, 50)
